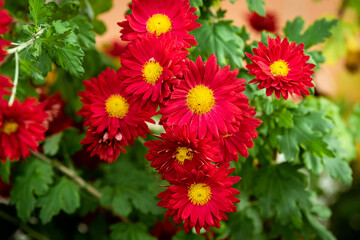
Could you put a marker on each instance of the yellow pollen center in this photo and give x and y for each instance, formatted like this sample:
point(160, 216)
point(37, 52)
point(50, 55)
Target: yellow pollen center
point(116, 106)
point(200, 99)
point(158, 23)
point(10, 127)
point(279, 68)
point(152, 71)
point(199, 194)
point(183, 154)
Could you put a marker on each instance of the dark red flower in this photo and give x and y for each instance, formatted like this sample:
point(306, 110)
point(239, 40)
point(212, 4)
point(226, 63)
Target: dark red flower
point(206, 99)
point(201, 198)
point(160, 16)
point(180, 150)
point(149, 66)
point(281, 68)
point(260, 23)
point(57, 120)
point(4, 84)
point(116, 48)
point(164, 230)
point(104, 145)
point(5, 19)
point(3, 43)
point(21, 127)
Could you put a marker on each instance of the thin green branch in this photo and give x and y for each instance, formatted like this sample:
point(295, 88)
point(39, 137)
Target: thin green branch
point(16, 79)
point(73, 176)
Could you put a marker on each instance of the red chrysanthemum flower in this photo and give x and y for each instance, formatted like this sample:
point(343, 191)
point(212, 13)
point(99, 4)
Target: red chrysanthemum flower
point(3, 43)
point(160, 16)
point(180, 150)
point(57, 120)
point(21, 127)
point(116, 48)
point(281, 68)
point(5, 19)
point(206, 99)
point(107, 109)
point(260, 23)
point(238, 142)
point(201, 198)
point(4, 84)
point(108, 148)
point(149, 65)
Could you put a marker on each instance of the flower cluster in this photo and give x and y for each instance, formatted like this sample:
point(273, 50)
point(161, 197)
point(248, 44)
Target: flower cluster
point(206, 116)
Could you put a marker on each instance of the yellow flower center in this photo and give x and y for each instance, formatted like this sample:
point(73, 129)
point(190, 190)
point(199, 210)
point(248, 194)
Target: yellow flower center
point(152, 71)
point(279, 68)
point(200, 99)
point(10, 127)
point(158, 23)
point(199, 194)
point(183, 153)
point(116, 106)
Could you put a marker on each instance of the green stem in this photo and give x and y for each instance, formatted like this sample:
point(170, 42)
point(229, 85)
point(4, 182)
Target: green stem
point(31, 232)
point(16, 79)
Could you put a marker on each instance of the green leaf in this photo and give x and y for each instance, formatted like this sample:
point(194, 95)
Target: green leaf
point(52, 144)
point(63, 196)
point(339, 169)
point(130, 231)
point(29, 69)
point(100, 6)
point(281, 190)
point(126, 187)
point(39, 12)
point(316, 33)
point(233, 1)
point(5, 170)
point(63, 47)
point(70, 141)
point(222, 39)
point(256, 6)
point(285, 119)
point(293, 29)
point(33, 178)
point(315, 230)
point(65, 10)
point(99, 26)
point(84, 32)
point(308, 131)
point(69, 58)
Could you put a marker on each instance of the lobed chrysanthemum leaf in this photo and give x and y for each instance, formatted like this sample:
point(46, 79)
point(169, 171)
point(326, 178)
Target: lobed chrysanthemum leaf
point(39, 12)
point(222, 39)
point(63, 196)
point(282, 193)
point(316, 33)
point(32, 179)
